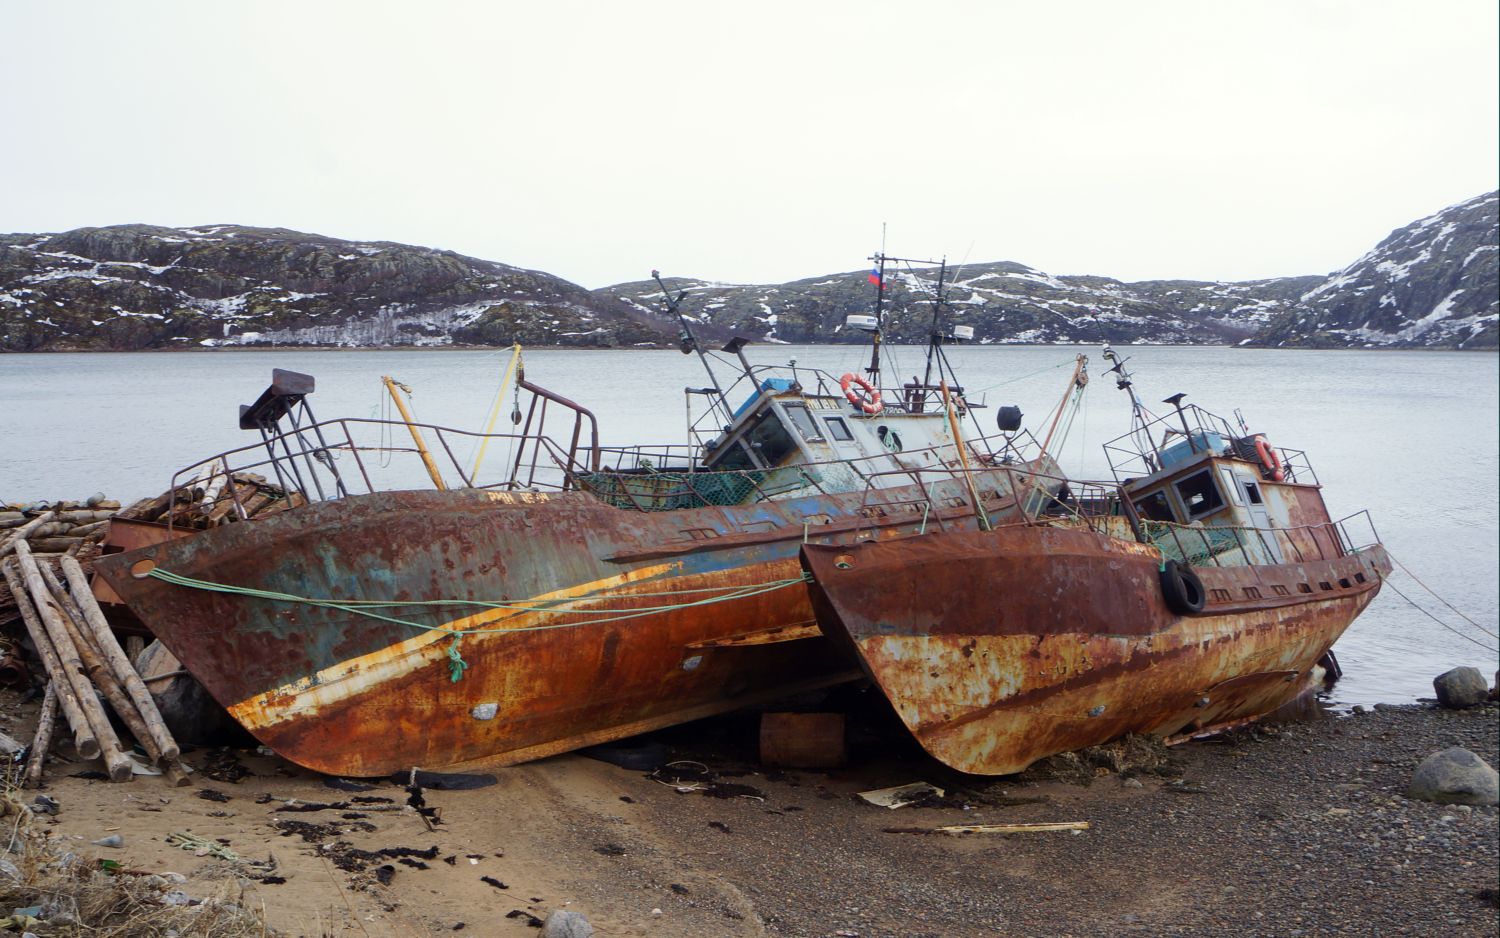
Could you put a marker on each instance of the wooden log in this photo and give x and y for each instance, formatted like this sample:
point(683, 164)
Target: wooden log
point(8, 516)
point(9, 745)
point(233, 503)
point(24, 531)
point(89, 530)
point(85, 515)
point(42, 742)
point(51, 529)
point(218, 477)
point(67, 698)
point(134, 645)
point(54, 545)
point(99, 672)
point(119, 664)
point(176, 774)
point(52, 619)
point(256, 502)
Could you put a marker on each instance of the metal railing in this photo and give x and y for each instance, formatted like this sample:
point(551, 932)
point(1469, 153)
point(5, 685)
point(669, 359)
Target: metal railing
point(1239, 545)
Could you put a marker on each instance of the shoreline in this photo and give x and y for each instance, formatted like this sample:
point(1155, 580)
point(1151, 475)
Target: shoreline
point(1291, 829)
point(668, 346)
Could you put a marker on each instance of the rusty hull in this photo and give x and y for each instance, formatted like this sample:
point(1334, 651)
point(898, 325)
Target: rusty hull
point(345, 694)
point(999, 648)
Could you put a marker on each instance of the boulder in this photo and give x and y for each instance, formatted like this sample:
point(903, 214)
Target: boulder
point(1460, 688)
point(1455, 776)
point(564, 924)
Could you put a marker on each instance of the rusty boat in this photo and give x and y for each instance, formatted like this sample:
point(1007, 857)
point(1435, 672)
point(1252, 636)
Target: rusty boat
point(584, 593)
point(1204, 587)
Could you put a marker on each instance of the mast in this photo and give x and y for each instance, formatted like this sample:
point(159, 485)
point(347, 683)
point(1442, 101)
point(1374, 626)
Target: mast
point(935, 336)
point(688, 342)
point(1138, 413)
point(874, 368)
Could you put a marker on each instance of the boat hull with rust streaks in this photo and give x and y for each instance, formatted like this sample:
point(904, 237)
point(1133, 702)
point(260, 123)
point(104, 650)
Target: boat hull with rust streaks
point(348, 694)
point(1000, 648)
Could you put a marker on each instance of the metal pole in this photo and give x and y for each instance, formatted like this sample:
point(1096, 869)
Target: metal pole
point(416, 435)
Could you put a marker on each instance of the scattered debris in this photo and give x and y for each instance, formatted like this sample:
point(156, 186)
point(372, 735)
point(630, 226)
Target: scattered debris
point(223, 765)
point(344, 784)
point(955, 829)
point(443, 781)
point(900, 796)
point(686, 776)
point(212, 794)
point(492, 881)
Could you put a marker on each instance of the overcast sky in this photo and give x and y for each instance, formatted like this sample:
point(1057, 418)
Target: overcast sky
point(761, 142)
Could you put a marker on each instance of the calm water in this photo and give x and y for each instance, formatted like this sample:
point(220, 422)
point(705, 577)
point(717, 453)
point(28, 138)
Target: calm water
point(1412, 436)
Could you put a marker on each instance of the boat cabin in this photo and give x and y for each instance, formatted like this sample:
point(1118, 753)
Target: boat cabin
point(782, 427)
point(1237, 493)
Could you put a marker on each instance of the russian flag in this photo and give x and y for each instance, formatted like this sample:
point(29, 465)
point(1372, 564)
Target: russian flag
point(875, 278)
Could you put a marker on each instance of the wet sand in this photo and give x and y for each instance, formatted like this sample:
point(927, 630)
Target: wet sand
point(1291, 830)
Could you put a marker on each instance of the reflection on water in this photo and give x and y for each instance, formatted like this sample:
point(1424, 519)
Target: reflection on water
point(1412, 436)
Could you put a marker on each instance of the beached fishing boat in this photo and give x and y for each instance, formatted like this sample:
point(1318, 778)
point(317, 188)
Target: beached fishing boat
point(585, 594)
point(1205, 587)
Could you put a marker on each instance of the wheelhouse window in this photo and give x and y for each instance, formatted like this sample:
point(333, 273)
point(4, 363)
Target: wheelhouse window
point(1230, 484)
point(839, 429)
point(770, 439)
point(1199, 494)
point(1155, 507)
point(1252, 492)
point(804, 422)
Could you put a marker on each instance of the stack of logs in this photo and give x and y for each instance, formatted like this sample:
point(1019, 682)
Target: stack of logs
point(46, 552)
point(66, 527)
point(43, 582)
point(83, 660)
point(213, 498)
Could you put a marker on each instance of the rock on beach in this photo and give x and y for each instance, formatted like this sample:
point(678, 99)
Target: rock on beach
point(1461, 688)
point(1455, 776)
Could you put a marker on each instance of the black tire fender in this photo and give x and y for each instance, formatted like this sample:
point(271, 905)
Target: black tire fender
point(1182, 589)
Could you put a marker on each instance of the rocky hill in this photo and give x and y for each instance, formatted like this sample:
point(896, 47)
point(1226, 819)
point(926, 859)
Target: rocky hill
point(1005, 303)
point(1435, 282)
point(138, 286)
point(1430, 284)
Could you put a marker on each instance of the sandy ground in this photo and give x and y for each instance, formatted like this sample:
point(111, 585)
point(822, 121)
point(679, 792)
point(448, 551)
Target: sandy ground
point(1297, 830)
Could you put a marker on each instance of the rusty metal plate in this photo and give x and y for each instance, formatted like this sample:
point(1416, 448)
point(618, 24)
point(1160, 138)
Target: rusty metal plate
point(999, 648)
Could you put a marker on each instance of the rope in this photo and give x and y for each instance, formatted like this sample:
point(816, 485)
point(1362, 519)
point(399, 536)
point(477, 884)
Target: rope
point(1032, 374)
point(552, 606)
point(1439, 598)
point(1436, 619)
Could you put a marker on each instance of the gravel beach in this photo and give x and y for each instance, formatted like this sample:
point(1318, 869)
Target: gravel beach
point(1285, 830)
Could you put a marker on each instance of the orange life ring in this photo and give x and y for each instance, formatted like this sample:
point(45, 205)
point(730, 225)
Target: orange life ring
point(868, 401)
point(1269, 458)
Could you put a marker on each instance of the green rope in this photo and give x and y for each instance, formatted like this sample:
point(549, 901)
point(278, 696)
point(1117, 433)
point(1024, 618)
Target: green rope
point(554, 607)
point(456, 662)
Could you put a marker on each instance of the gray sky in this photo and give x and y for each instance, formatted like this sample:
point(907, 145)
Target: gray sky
point(762, 142)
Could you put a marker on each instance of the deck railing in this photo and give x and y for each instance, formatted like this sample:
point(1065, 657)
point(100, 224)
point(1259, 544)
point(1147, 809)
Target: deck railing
point(1239, 545)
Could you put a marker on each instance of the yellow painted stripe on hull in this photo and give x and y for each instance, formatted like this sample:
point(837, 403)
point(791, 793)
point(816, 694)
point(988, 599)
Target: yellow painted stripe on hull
point(307, 695)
